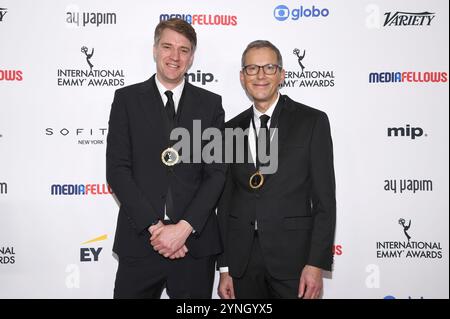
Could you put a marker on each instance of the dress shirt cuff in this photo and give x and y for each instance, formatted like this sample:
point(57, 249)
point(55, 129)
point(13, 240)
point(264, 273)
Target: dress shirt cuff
point(223, 269)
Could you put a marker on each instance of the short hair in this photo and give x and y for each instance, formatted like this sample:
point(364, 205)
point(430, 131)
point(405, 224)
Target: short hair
point(259, 44)
point(177, 25)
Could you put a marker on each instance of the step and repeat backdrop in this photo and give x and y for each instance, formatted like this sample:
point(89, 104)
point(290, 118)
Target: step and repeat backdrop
point(379, 69)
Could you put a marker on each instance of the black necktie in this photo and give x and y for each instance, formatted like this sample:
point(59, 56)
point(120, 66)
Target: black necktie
point(264, 120)
point(170, 108)
point(170, 111)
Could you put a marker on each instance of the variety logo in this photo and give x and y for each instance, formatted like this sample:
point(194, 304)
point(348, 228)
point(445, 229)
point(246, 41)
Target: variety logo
point(408, 77)
point(7, 255)
point(400, 18)
point(375, 19)
point(83, 19)
point(408, 185)
point(83, 136)
point(11, 75)
point(408, 131)
point(202, 19)
point(90, 77)
point(200, 77)
point(282, 13)
point(305, 77)
point(81, 189)
point(88, 254)
point(3, 188)
point(3, 12)
point(408, 249)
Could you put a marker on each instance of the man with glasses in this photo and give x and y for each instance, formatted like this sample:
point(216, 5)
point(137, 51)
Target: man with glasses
point(277, 229)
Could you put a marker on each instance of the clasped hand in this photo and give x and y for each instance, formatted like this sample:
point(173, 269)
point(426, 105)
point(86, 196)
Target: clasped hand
point(169, 240)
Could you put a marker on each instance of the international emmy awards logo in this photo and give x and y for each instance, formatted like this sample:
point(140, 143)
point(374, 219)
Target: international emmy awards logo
point(402, 222)
point(88, 56)
point(300, 57)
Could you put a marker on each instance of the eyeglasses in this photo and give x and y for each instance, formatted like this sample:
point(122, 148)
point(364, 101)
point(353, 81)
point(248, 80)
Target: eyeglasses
point(268, 69)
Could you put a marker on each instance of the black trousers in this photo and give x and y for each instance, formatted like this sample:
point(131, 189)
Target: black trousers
point(257, 283)
point(146, 277)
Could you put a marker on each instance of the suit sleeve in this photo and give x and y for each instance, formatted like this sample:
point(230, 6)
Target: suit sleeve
point(222, 215)
point(119, 170)
point(323, 195)
point(205, 200)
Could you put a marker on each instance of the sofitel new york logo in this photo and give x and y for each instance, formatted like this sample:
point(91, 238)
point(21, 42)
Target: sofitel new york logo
point(92, 76)
point(409, 248)
point(82, 136)
point(306, 77)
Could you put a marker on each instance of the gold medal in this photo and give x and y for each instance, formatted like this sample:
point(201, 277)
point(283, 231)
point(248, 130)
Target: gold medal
point(256, 180)
point(170, 156)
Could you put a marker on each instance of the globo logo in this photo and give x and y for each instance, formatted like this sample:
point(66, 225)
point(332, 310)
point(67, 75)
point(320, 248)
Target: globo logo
point(282, 12)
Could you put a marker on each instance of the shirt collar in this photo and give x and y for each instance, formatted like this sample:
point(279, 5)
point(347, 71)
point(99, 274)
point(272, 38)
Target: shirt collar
point(177, 91)
point(269, 111)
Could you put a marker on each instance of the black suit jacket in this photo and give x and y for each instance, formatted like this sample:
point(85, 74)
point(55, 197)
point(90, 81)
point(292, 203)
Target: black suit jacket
point(136, 138)
point(295, 209)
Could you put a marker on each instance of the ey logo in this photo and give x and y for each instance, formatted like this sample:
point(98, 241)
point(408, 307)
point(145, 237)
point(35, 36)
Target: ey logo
point(91, 253)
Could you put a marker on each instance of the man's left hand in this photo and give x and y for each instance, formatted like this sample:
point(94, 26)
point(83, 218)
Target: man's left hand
point(311, 283)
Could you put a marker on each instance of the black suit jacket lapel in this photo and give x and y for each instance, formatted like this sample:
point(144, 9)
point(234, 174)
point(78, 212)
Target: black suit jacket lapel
point(186, 107)
point(244, 124)
point(282, 120)
point(153, 108)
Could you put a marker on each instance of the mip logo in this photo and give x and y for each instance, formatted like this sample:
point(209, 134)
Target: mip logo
point(282, 12)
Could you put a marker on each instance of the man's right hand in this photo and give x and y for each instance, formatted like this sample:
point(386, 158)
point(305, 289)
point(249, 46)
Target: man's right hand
point(225, 289)
point(180, 253)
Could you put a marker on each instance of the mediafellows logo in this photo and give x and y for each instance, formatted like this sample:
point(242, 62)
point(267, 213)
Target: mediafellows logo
point(408, 77)
point(305, 76)
point(11, 75)
point(408, 248)
point(80, 189)
point(400, 19)
point(202, 19)
point(283, 13)
point(91, 76)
